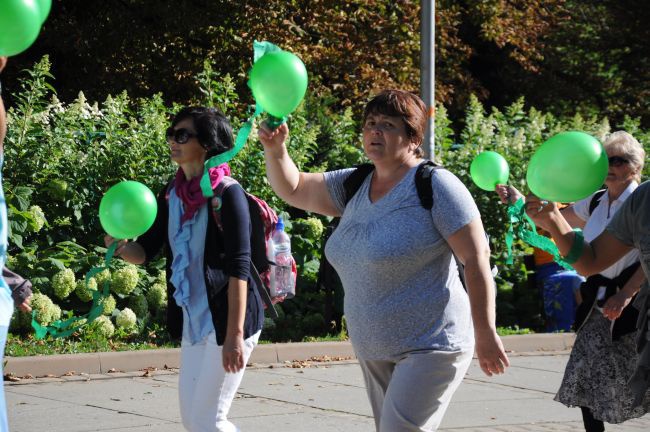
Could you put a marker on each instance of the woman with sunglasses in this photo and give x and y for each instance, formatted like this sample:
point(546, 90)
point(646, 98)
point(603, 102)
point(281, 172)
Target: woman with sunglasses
point(212, 300)
point(604, 356)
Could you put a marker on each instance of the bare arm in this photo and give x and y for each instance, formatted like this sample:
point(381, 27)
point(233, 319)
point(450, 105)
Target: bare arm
point(306, 191)
point(572, 218)
point(470, 246)
point(233, 347)
point(601, 253)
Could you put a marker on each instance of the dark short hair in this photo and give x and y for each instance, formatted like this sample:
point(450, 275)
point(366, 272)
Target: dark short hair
point(400, 103)
point(213, 128)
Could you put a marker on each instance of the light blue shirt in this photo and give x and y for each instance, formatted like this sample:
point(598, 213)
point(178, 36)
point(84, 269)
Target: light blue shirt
point(402, 290)
point(187, 242)
point(6, 302)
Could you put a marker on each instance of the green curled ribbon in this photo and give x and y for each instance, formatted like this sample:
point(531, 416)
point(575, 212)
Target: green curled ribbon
point(59, 328)
point(523, 227)
point(259, 49)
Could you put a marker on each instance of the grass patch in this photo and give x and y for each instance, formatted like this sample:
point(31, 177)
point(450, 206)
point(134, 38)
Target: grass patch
point(514, 330)
point(22, 346)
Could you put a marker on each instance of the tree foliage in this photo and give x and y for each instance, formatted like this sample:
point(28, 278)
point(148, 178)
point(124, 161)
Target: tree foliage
point(562, 55)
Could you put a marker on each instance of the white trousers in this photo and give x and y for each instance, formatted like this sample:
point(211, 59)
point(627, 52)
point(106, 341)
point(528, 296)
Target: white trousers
point(205, 390)
point(412, 394)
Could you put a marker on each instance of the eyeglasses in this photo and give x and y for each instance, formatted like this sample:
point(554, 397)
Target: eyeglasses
point(617, 161)
point(180, 136)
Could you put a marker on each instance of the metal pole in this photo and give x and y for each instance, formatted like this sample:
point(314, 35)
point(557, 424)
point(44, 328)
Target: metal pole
point(427, 71)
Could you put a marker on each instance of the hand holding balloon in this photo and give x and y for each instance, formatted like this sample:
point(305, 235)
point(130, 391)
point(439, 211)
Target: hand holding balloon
point(508, 194)
point(273, 139)
point(541, 211)
point(109, 240)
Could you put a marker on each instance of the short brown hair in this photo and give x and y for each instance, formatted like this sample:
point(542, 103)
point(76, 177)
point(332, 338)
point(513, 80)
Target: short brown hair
point(406, 105)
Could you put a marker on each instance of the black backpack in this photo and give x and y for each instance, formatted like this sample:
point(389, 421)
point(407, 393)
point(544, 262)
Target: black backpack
point(328, 279)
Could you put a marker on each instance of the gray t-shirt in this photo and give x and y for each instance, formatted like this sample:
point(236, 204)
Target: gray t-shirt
point(631, 224)
point(402, 290)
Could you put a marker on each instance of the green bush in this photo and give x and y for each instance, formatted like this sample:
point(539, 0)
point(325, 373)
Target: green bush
point(61, 158)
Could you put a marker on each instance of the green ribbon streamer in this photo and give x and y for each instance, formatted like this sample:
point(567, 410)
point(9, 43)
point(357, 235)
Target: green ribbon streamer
point(519, 221)
point(259, 49)
point(240, 141)
point(59, 329)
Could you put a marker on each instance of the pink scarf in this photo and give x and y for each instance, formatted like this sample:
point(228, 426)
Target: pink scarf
point(189, 191)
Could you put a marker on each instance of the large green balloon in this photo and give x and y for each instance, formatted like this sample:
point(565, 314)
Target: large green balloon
point(279, 82)
point(489, 169)
point(568, 167)
point(127, 210)
point(20, 23)
point(44, 7)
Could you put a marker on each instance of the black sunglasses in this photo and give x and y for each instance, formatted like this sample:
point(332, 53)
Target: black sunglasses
point(180, 136)
point(617, 161)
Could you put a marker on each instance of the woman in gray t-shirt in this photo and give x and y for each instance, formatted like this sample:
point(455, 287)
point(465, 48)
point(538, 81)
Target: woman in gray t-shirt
point(629, 229)
point(411, 323)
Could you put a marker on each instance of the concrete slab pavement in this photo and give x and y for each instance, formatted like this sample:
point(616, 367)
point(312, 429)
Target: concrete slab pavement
point(317, 397)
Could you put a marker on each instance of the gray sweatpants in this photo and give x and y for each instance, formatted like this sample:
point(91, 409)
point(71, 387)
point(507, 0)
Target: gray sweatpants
point(412, 394)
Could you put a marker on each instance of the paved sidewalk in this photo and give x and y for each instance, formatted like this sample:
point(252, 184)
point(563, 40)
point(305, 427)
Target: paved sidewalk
point(313, 396)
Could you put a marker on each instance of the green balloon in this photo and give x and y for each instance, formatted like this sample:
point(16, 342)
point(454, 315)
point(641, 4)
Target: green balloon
point(44, 7)
point(127, 210)
point(489, 169)
point(279, 82)
point(20, 23)
point(567, 167)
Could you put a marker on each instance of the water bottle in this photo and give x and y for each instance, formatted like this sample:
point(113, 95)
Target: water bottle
point(282, 282)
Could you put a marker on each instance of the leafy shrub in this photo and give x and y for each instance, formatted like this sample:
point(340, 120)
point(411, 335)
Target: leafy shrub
point(61, 158)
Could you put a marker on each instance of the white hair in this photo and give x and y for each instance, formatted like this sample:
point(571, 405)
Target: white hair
point(628, 146)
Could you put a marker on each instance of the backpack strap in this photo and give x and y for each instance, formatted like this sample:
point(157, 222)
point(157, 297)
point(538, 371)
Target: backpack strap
point(216, 203)
point(356, 178)
point(264, 294)
point(595, 200)
point(423, 183)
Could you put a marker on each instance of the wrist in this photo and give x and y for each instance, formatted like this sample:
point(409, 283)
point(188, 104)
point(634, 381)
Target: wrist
point(235, 333)
point(484, 329)
point(629, 291)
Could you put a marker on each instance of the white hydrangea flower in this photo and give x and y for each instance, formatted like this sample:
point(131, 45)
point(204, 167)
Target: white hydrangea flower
point(39, 217)
point(63, 283)
point(85, 293)
point(104, 326)
point(126, 320)
point(157, 296)
point(124, 280)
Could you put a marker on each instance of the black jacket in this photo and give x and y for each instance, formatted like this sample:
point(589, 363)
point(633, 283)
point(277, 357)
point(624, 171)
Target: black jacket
point(624, 324)
point(234, 262)
point(21, 288)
